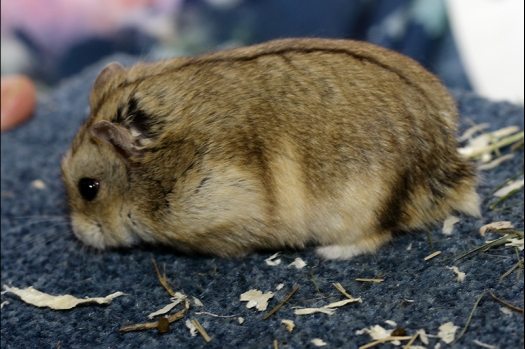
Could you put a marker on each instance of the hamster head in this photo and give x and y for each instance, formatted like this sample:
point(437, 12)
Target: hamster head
point(95, 174)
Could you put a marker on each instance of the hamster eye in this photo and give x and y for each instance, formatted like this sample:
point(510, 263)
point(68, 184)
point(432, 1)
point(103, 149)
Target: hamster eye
point(88, 188)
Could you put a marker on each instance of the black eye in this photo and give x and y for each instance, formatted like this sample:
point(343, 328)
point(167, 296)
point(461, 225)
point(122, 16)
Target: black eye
point(88, 188)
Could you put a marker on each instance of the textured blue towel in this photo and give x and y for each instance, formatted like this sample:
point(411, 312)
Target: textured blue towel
point(38, 249)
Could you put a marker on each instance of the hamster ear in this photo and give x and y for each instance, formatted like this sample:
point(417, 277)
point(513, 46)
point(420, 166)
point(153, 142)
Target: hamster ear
point(117, 137)
point(109, 70)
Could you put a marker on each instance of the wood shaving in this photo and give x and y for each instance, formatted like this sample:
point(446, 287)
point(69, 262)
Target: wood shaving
point(514, 185)
point(282, 303)
point(191, 327)
point(343, 302)
point(461, 275)
point(197, 302)
point(308, 311)
point(178, 298)
point(214, 315)
point(391, 323)
point(448, 224)
point(318, 342)
point(472, 130)
point(481, 344)
point(496, 162)
point(370, 280)
point(432, 255)
point(201, 330)
point(298, 263)
point(506, 311)
point(149, 325)
point(271, 261)
point(376, 332)
point(447, 332)
point(289, 324)
point(41, 299)
point(516, 243)
point(38, 184)
point(423, 336)
point(495, 226)
point(256, 298)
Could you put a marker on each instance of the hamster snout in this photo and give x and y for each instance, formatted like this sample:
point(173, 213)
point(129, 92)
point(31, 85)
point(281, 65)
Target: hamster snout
point(285, 144)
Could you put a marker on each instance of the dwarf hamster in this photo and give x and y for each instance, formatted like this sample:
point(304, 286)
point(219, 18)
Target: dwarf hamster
point(285, 144)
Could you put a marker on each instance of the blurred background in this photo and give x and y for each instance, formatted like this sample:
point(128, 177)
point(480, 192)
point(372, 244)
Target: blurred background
point(470, 44)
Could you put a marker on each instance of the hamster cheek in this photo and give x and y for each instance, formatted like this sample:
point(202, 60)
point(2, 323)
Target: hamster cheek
point(88, 232)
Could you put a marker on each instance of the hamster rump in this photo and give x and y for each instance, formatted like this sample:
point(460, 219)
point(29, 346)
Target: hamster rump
point(279, 145)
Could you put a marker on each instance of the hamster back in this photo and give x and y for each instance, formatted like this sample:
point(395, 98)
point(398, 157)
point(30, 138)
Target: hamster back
point(286, 144)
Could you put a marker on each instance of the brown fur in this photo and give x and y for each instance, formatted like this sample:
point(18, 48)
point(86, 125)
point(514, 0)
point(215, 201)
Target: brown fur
point(282, 144)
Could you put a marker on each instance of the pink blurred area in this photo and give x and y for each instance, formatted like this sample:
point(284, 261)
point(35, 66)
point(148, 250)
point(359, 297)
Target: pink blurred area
point(53, 25)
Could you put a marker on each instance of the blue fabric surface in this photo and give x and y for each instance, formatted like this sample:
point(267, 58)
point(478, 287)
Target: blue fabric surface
point(38, 249)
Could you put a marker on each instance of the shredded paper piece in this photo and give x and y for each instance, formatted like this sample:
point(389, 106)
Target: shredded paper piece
point(41, 299)
point(289, 325)
point(271, 261)
point(461, 275)
point(518, 184)
point(448, 224)
point(256, 298)
point(298, 263)
point(447, 332)
point(318, 342)
point(495, 226)
point(178, 298)
point(279, 287)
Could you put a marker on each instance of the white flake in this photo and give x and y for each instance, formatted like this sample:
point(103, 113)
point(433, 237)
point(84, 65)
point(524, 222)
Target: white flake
point(447, 332)
point(391, 323)
point(377, 332)
point(197, 302)
point(256, 298)
point(240, 320)
point(318, 342)
point(298, 263)
point(461, 275)
point(289, 325)
point(279, 287)
point(506, 311)
point(271, 261)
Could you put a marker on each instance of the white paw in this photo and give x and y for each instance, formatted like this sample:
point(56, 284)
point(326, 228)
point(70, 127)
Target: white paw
point(339, 251)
